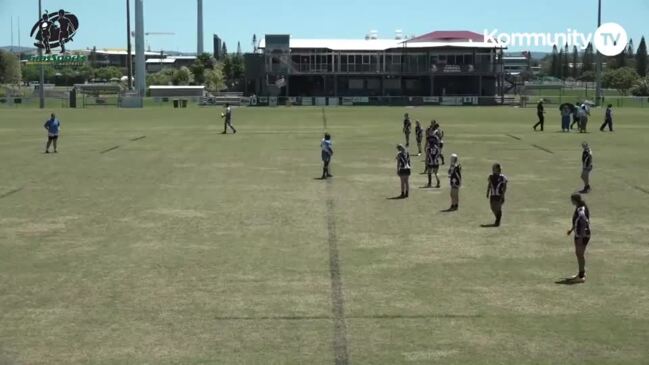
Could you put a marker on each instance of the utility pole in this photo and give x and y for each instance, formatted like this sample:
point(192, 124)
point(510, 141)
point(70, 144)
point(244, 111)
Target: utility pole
point(199, 21)
point(598, 60)
point(140, 71)
point(129, 59)
point(41, 92)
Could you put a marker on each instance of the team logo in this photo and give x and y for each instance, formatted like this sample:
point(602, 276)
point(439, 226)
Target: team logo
point(55, 30)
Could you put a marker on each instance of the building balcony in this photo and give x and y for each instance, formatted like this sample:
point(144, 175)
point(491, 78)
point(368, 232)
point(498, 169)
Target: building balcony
point(390, 69)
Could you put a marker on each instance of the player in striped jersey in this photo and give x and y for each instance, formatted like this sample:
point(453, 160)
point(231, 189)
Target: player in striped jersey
point(432, 163)
point(407, 125)
point(326, 145)
point(403, 170)
point(440, 137)
point(455, 175)
point(430, 133)
point(586, 167)
point(496, 192)
point(581, 228)
point(419, 134)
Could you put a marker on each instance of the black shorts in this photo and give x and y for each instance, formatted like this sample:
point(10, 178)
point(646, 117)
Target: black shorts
point(585, 240)
point(53, 138)
point(433, 168)
point(326, 157)
point(404, 172)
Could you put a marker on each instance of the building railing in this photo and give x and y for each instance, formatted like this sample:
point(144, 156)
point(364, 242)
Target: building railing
point(439, 68)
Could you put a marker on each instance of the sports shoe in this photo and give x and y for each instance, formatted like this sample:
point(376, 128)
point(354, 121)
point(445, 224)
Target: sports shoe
point(577, 279)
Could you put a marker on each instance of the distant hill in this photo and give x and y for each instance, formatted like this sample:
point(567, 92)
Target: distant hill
point(17, 49)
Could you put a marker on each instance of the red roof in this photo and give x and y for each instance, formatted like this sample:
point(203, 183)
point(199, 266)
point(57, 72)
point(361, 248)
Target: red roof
point(449, 36)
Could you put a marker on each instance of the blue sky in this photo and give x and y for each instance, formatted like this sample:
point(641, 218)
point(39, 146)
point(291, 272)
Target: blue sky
point(103, 21)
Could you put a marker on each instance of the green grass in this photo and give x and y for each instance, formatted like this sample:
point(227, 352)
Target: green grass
point(189, 247)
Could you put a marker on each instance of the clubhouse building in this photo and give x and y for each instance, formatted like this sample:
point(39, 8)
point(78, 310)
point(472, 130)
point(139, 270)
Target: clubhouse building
point(434, 66)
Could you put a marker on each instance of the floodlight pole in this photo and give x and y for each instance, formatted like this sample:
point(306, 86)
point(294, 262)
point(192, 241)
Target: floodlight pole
point(129, 59)
point(598, 60)
point(140, 70)
point(41, 92)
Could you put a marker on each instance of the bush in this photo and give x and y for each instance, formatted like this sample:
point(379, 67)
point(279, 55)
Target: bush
point(621, 79)
point(641, 87)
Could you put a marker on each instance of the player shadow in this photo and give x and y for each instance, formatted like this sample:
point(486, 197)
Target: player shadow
point(448, 210)
point(398, 197)
point(492, 225)
point(568, 281)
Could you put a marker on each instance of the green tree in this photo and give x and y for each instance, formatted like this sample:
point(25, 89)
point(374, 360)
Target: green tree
point(162, 77)
point(575, 62)
point(182, 76)
point(565, 65)
point(587, 76)
point(555, 67)
point(214, 80)
point(621, 79)
point(9, 68)
point(108, 73)
point(621, 59)
point(641, 87)
point(588, 59)
point(641, 59)
point(224, 50)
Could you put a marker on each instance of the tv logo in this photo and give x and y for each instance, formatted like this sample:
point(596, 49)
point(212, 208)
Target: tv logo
point(611, 39)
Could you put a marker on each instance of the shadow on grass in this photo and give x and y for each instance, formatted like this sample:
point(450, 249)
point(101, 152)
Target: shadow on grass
point(399, 197)
point(568, 281)
point(492, 225)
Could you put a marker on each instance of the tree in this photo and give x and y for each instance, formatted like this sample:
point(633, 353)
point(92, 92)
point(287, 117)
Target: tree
point(641, 87)
point(575, 61)
point(108, 73)
point(214, 80)
point(641, 59)
point(588, 76)
point(555, 62)
point(182, 76)
point(630, 49)
point(588, 59)
point(621, 79)
point(254, 43)
point(224, 48)
point(162, 77)
point(238, 48)
point(9, 68)
point(561, 64)
point(620, 59)
point(565, 65)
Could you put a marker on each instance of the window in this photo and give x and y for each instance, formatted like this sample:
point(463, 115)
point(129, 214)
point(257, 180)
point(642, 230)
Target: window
point(366, 59)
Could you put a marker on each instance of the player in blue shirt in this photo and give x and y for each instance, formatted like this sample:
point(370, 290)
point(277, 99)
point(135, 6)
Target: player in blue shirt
point(53, 127)
point(326, 145)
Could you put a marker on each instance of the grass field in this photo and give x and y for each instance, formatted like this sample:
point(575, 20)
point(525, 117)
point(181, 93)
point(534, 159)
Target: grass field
point(152, 239)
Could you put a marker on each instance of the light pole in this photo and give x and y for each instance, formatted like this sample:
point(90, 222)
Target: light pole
point(140, 70)
point(598, 60)
point(129, 59)
point(41, 92)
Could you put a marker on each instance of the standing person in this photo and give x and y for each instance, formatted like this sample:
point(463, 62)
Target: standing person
point(440, 140)
point(539, 112)
point(455, 175)
point(227, 116)
point(326, 145)
point(432, 163)
point(53, 127)
point(430, 132)
point(581, 228)
point(608, 119)
point(403, 170)
point(584, 113)
point(575, 116)
point(419, 135)
point(565, 118)
point(406, 128)
point(496, 192)
point(586, 167)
